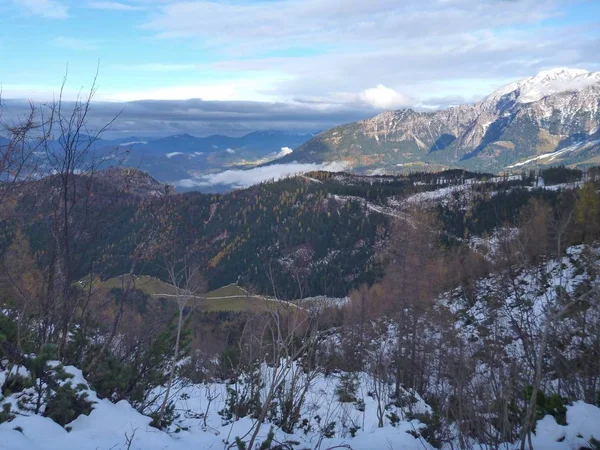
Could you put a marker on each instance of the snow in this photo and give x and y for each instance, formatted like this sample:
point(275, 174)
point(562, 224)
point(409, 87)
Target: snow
point(133, 143)
point(583, 423)
point(438, 194)
point(552, 155)
point(489, 246)
point(109, 424)
point(322, 301)
point(545, 83)
point(525, 301)
point(284, 151)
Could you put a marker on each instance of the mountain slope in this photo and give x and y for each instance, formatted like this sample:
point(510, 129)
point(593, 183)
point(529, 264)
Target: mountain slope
point(537, 115)
point(317, 234)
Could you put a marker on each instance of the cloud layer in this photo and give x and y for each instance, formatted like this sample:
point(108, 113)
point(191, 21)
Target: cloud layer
point(385, 51)
point(50, 9)
point(153, 118)
point(243, 178)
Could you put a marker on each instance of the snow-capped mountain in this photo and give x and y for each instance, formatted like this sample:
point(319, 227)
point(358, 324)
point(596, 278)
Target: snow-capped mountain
point(545, 83)
point(545, 113)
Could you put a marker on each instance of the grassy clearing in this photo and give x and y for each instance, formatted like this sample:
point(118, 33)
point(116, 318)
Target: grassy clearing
point(227, 298)
point(230, 298)
point(148, 285)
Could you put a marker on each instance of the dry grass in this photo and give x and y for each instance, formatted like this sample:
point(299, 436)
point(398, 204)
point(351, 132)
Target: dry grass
point(227, 298)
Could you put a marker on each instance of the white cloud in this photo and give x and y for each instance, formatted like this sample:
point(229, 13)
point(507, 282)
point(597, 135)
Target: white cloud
point(245, 178)
point(284, 152)
point(416, 47)
point(153, 67)
point(230, 151)
point(382, 97)
point(114, 6)
point(50, 9)
point(250, 88)
point(125, 144)
point(74, 43)
point(170, 155)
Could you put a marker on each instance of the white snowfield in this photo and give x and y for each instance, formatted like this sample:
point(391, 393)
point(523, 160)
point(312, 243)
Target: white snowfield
point(109, 425)
point(545, 83)
point(553, 155)
point(444, 195)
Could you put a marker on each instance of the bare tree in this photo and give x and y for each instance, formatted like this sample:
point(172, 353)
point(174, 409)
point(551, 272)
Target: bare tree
point(188, 284)
point(18, 164)
point(54, 140)
point(71, 158)
point(287, 340)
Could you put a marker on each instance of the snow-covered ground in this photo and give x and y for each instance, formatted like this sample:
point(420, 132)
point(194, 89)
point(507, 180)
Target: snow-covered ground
point(322, 301)
point(579, 147)
point(110, 426)
point(489, 246)
point(119, 426)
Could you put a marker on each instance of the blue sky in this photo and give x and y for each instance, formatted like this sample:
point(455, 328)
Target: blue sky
point(354, 56)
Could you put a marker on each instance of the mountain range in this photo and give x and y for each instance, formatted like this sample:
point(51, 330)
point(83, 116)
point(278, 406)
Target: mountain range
point(172, 158)
point(550, 118)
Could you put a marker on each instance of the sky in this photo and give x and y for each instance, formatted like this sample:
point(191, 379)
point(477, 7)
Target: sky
point(230, 67)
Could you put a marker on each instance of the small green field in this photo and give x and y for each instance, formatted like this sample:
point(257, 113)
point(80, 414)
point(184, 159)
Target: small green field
point(227, 298)
point(146, 284)
point(230, 298)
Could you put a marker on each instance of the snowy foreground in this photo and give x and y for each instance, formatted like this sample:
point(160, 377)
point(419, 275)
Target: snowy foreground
point(119, 426)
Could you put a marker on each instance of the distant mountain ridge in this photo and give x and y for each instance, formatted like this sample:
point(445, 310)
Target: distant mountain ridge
point(182, 156)
point(544, 114)
point(259, 142)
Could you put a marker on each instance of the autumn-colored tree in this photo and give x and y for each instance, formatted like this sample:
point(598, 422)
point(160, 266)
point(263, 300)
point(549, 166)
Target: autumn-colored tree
point(414, 277)
point(533, 242)
point(587, 212)
point(18, 271)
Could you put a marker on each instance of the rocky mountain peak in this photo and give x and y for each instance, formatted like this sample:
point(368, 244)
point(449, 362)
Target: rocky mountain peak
point(539, 115)
point(545, 83)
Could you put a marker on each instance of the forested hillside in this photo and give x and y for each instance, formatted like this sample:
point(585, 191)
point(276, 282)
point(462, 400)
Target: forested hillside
point(316, 234)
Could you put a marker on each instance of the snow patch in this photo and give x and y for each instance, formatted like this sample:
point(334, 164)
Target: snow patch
point(553, 155)
point(132, 143)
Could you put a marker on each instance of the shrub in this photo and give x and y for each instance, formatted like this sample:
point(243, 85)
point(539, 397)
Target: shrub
point(594, 443)
point(68, 403)
point(553, 405)
point(347, 388)
point(52, 393)
point(168, 418)
point(433, 432)
point(6, 414)
point(243, 397)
